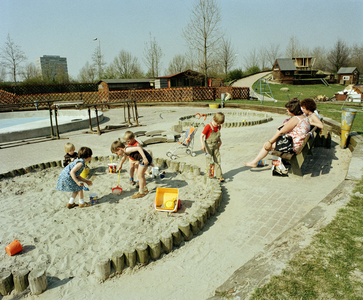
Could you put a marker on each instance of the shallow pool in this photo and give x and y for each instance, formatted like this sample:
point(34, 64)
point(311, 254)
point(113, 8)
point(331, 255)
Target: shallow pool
point(4, 123)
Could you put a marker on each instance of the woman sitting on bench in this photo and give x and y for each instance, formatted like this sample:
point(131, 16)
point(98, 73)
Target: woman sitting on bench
point(308, 106)
point(297, 127)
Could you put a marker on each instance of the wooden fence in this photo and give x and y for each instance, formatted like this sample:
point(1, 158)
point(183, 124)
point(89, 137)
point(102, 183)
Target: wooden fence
point(152, 95)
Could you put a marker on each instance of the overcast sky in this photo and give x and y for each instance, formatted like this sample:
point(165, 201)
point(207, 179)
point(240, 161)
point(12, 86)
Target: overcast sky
point(68, 27)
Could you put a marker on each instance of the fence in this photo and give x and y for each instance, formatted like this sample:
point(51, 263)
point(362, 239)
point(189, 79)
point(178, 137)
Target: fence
point(50, 88)
point(152, 95)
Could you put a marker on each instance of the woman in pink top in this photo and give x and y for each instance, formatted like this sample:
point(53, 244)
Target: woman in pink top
point(297, 127)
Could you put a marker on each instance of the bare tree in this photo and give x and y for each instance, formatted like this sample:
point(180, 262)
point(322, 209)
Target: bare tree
point(203, 30)
point(227, 55)
point(252, 59)
point(273, 52)
point(193, 60)
point(88, 73)
point(338, 56)
point(294, 49)
point(262, 54)
point(29, 72)
point(153, 55)
point(126, 65)
point(356, 59)
point(98, 61)
point(2, 73)
point(12, 57)
point(321, 63)
point(178, 64)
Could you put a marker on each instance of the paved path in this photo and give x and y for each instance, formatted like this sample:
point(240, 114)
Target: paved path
point(257, 208)
point(249, 81)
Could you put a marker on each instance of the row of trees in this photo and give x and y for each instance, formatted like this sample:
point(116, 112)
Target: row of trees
point(209, 52)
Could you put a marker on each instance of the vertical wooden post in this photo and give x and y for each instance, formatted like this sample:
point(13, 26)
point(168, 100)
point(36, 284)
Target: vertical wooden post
point(118, 261)
point(6, 283)
point(21, 279)
point(37, 281)
point(103, 269)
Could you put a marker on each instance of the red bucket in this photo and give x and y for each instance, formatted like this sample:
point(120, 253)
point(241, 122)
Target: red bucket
point(13, 248)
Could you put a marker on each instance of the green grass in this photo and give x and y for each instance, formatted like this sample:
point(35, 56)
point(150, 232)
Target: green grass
point(331, 267)
point(301, 91)
point(328, 109)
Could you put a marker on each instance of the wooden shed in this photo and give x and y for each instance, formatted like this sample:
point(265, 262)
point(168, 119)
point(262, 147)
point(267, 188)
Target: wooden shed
point(188, 78)
point(284, 70)
point(106, 85)
point(348, 75)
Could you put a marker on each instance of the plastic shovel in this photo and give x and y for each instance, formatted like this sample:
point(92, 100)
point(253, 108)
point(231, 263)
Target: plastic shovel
point(85, 188)
point(117, 190)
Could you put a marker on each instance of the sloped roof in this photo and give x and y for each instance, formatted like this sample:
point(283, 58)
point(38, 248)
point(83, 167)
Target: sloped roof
point(286, 64)
point(346, 70)
point(108, 81)
point(187, 72)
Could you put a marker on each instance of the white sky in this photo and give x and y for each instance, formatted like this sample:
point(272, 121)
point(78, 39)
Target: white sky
point(67, 27)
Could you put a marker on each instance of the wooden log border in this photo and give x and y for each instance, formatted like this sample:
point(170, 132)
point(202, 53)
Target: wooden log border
point(265, 117)
point(153, 247)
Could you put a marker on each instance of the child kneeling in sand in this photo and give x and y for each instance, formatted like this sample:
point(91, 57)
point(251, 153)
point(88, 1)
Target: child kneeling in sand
point(70, 180)
point(144, 159)
point(71, 154)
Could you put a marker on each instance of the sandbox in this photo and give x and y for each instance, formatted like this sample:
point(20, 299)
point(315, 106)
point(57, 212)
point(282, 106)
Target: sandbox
point(117, 227)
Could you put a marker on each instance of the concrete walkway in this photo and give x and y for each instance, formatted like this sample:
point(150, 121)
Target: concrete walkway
point(257, 208)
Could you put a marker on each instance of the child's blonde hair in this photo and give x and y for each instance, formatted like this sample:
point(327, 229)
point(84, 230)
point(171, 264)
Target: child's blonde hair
point(128, 135)
point(219, 118)
point(117, 144)
point(69, 147)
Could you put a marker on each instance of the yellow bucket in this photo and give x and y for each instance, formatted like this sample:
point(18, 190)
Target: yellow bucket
point(84, 173)
point(213, 105)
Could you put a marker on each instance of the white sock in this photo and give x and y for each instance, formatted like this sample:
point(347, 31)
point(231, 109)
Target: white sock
point(141, 191)
point(71, 201)
point(81, 201)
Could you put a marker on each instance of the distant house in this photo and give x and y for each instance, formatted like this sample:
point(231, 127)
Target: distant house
point(284, 70)
point(188, 78)
point(304, 63)
point(106, 85)
point(348, 75)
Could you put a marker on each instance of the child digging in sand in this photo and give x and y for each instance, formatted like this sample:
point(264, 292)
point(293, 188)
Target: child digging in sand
point(140, 155)
point(70, 180)
point(130, 140)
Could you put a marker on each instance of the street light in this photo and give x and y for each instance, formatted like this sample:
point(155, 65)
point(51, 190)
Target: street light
point(99, 57)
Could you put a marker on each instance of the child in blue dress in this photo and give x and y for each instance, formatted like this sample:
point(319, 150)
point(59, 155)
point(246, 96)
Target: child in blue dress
point(70, 180)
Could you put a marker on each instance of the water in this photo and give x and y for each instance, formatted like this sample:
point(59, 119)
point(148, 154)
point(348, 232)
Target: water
point(4, 123)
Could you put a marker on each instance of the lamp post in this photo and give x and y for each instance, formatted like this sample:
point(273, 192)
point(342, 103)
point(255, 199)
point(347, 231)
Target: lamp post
point(99, 57)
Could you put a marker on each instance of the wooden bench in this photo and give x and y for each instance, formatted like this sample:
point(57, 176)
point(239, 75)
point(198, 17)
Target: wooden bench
point(317, 138)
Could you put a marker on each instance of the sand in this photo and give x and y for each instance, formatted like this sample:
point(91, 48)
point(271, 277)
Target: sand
point(54, 236)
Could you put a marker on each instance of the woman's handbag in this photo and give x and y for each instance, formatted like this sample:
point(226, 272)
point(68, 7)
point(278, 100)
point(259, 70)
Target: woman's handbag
point(285, 144)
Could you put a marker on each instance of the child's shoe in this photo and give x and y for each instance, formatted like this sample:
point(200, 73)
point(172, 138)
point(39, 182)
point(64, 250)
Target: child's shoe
point(221, 179)
point(132, 182)
point(69, 205)
point(138, 195)
point(85, 205)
